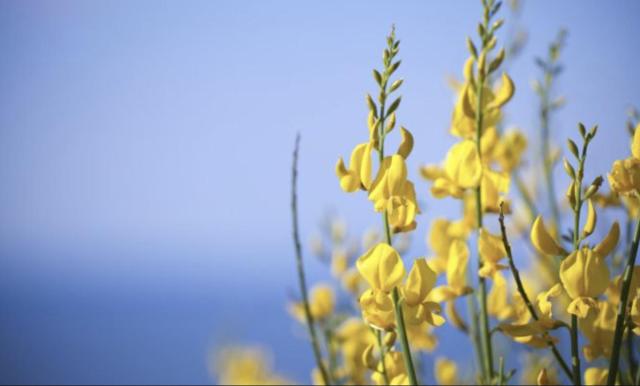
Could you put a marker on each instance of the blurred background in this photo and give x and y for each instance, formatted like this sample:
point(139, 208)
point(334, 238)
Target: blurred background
point(145, 153)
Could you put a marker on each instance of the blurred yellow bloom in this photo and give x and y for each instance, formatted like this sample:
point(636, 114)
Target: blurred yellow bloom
point(322, 301)
point(491, 251)
point(321, 304)
point(584, 275)
point(596, 376)
point(463, 166)
point(245, 366)
point(381, 267)
point(609, 242)
point(599, 327)
point(353, 336)
point(396, 371)
point(456, 274)
point(509, 150)
point(358, 176)
point(421, 337)
point(446, 372)
point(544, 378)
point(339, 262)
point(494, 184)
point(624, 177)
point(497, 300)
point(542, 240)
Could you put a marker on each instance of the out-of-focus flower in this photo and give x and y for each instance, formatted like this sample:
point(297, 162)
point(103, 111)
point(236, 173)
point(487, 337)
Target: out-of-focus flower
point(245, 366)
point(446, 371)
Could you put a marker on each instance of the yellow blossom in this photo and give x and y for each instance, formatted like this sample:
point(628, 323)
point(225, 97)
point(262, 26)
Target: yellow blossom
point(509, 150)
point(446, 372)
point(456, 274)
point(599, 327)
point(584, 275)
point(381, 267)
point(596, 376)
point(491, 251)
point(463, 165)
point(358, 176)
point(377, 309)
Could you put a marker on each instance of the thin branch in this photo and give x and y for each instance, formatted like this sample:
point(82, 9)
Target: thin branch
point(299, 264)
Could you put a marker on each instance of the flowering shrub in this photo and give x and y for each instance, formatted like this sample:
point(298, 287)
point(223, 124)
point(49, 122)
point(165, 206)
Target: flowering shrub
point(581, 288)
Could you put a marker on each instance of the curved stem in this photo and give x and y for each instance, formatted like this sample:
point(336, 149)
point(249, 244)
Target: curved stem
point(525, 297)
point(300, 267)
point(622, 308)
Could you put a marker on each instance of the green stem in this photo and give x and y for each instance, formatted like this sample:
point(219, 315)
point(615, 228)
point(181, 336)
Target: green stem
point(300, 267)
point(622, 308)
point(397, 306)
point(575, 348)
point(383, 353)
point(484, 316)
point(525, 297)
point(575, 353)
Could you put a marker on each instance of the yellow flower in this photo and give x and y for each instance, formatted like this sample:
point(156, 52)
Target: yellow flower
point(353, 337)
point(446, 372)
point(377, 309)
point(609, 242)
point(391, 181)
point(245, 366)
point(509, 150)
point(339, 262)
point(321, 301)
point(463, 166)
point(402, 210)
point(596, 376)
point(419, 283)
point(624, 177)
point(497, 300)
point(358, 176)
point(396, 371)
point(584, 275)
point(542, 240)
point(381, 267)
point(456, 274)
point(491, 251)
point(599, 328)
point(493, 184)
point(421, 337)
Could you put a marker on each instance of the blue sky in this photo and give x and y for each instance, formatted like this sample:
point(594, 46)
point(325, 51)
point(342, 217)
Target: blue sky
point(142, 139)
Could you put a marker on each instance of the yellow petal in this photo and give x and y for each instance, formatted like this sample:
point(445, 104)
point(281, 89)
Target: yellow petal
point(490, 246)
point(596, 376)
point(592, 217)
point(349, 181)
point(381, 267)
point(446, 372)
point(406, 144)
point(635, 144)
point(504, 93)
point(542, 240)
point(419, 283)
point(584, 273)
point(609, 242)
point(458, 262)
point(463, 164)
